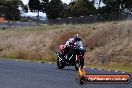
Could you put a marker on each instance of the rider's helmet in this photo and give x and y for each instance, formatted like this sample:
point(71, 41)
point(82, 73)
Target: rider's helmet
point(77, 38)
point(71, 40)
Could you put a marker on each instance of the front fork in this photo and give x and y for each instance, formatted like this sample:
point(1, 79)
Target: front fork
point(78, 57)
point(77, 60)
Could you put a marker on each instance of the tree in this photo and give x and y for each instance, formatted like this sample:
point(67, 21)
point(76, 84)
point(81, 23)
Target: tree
point(37, 6)
point(67, 9)
point(118, 6)
point(54, 9)
point(44, 5)
point(127, 4)
point(83, 8)
point(34, 5)
point(10, 9)
point(2, 8)
point(103, 10)
point(25, 8)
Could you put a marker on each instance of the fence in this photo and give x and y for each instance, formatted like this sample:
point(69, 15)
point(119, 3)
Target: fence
point(89, 19)
point(72, 20)
point(17, 24)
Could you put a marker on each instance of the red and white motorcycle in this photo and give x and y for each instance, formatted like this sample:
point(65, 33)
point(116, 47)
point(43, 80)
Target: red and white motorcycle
point(71, 56)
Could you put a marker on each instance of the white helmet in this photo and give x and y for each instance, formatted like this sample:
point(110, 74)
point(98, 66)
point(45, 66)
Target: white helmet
point(71, 40)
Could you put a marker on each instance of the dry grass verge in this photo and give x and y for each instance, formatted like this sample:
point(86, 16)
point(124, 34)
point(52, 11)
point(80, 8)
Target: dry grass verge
point(107, 43)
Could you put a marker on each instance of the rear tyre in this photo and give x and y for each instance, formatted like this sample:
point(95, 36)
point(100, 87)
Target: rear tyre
point(60, 64)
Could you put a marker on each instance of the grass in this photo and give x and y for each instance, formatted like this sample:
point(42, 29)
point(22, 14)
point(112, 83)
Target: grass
point(107, 43)
point(116, 67)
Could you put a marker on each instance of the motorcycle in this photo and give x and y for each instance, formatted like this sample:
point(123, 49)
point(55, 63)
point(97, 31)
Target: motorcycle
point(71, 56)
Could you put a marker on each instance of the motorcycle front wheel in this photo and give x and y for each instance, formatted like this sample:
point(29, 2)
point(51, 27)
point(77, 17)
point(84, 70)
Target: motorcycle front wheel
point(79, 63)
point(60, 64)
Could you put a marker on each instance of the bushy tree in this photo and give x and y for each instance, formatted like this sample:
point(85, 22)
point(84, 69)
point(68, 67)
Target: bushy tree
point(54, 9)
point(83, 8)
point(67, 9)
point(34, 5)
point(80, 8)
point(38, 6)
point(117, 6)
point(10, 9)
point(25, 8)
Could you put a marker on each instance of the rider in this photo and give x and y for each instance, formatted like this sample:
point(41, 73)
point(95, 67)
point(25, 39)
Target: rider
point(73, 42)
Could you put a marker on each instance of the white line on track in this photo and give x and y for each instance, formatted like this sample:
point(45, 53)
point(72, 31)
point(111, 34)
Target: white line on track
point(99, 69)
point(123, 72)
point(92, 68)
point(116, 71)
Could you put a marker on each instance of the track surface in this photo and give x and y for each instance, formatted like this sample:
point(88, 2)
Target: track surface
point(22, 74)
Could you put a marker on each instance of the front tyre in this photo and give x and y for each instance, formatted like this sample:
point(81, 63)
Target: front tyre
point(60, 64)
point(76, 68)
point(81, 62)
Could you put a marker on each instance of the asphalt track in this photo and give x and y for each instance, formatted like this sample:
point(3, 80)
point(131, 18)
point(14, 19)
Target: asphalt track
point(23, 74)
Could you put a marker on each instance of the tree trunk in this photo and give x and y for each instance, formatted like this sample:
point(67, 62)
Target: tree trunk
point(99, 4)
point(38, 18)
